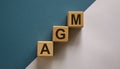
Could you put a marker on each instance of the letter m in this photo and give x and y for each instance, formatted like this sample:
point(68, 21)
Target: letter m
point(75, 19)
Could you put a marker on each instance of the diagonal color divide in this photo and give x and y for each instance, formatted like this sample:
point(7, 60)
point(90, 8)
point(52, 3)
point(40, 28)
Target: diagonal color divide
point(24, 22)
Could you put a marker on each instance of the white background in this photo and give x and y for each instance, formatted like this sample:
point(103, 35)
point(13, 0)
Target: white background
point(96, 46)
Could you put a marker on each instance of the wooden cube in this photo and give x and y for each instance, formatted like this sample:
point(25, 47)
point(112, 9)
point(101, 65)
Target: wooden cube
point(75, 19)
point(60, 33)
point(45, 48)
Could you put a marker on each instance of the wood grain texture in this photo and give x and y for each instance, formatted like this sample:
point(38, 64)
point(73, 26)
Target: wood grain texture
point(75, 19)
point(45, 45)
point(60, 33)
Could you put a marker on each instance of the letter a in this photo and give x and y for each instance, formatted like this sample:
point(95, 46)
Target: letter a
point(45, 49)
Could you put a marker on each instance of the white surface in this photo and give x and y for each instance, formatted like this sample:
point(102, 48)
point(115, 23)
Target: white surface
point(97, 46)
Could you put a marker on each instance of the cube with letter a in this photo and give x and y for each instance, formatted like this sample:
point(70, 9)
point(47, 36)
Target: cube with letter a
point(75, 19)
point(45, 48)
point(60, 33)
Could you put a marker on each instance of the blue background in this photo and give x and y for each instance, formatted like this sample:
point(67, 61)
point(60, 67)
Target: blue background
point(24, 22)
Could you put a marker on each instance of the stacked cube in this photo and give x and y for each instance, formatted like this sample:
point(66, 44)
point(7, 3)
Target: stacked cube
point(61, 33)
